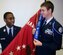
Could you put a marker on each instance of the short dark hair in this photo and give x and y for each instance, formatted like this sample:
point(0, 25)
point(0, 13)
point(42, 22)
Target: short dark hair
point(6, 13)
point(48, 5)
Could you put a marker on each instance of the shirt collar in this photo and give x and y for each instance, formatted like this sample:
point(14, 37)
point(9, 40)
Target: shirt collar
point(49, 20)
point(9, 28)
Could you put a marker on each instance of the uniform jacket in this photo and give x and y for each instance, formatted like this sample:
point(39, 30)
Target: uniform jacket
point(51, 38)
point(4, 37)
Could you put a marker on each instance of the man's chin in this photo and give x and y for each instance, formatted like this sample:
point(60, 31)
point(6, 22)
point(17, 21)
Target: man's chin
point(10, 26)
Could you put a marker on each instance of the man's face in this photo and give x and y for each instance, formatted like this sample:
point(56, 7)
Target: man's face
point(45, 12)
point(9, 20)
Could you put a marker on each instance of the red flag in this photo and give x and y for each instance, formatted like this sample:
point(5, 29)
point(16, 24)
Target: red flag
point(22, 44)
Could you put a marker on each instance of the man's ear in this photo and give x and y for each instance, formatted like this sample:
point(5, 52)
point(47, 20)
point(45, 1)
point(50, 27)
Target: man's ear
point(49, 10)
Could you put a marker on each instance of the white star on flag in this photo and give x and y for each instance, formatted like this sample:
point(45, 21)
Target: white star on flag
point(18, 47)
point(33, 50)
point(23, 46)
point(11, 53)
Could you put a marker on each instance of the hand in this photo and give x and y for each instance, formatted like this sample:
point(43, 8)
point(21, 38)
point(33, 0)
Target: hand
point(37, 42)
point(33, 30)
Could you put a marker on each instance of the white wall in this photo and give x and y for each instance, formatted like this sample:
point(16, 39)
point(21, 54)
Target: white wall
point(58, 10)
point(22, 9)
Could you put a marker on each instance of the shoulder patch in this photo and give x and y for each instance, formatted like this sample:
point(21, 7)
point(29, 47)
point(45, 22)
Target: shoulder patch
point(60, 29)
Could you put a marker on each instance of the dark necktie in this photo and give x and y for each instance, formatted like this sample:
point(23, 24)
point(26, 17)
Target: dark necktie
point(10, 32)
point(44, 23)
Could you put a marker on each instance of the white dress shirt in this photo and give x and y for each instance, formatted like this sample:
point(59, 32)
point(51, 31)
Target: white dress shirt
point(8, 30)
point(49, 20)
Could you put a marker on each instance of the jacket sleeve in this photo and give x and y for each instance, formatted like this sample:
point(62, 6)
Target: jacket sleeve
point(57, 38)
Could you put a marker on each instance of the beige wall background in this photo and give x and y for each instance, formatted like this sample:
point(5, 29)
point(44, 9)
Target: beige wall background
point(22, 9)
point(58, 10)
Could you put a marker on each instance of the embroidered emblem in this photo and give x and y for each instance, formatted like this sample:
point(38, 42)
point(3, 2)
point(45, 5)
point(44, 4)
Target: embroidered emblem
point(60, 30)
point(48, 31)
point(2, 38)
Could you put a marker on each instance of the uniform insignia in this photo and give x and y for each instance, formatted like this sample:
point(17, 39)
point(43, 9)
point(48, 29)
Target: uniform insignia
point(48, 31)
point(2, 38)
point(4, 30)
point(60, 30)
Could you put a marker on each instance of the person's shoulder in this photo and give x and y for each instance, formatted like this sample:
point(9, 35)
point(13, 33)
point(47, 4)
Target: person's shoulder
point(1, 28)
point(58, 27)
point(57, 24)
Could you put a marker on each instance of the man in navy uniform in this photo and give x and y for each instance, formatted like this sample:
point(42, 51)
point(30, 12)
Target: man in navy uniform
point(50, 38)
point(9, 31)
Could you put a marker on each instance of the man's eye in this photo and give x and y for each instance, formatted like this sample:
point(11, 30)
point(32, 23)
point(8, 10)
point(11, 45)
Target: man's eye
point(11, 18)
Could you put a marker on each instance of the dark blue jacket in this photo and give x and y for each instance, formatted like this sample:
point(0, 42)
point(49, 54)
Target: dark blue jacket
point(51, 38)
point(4, 37)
